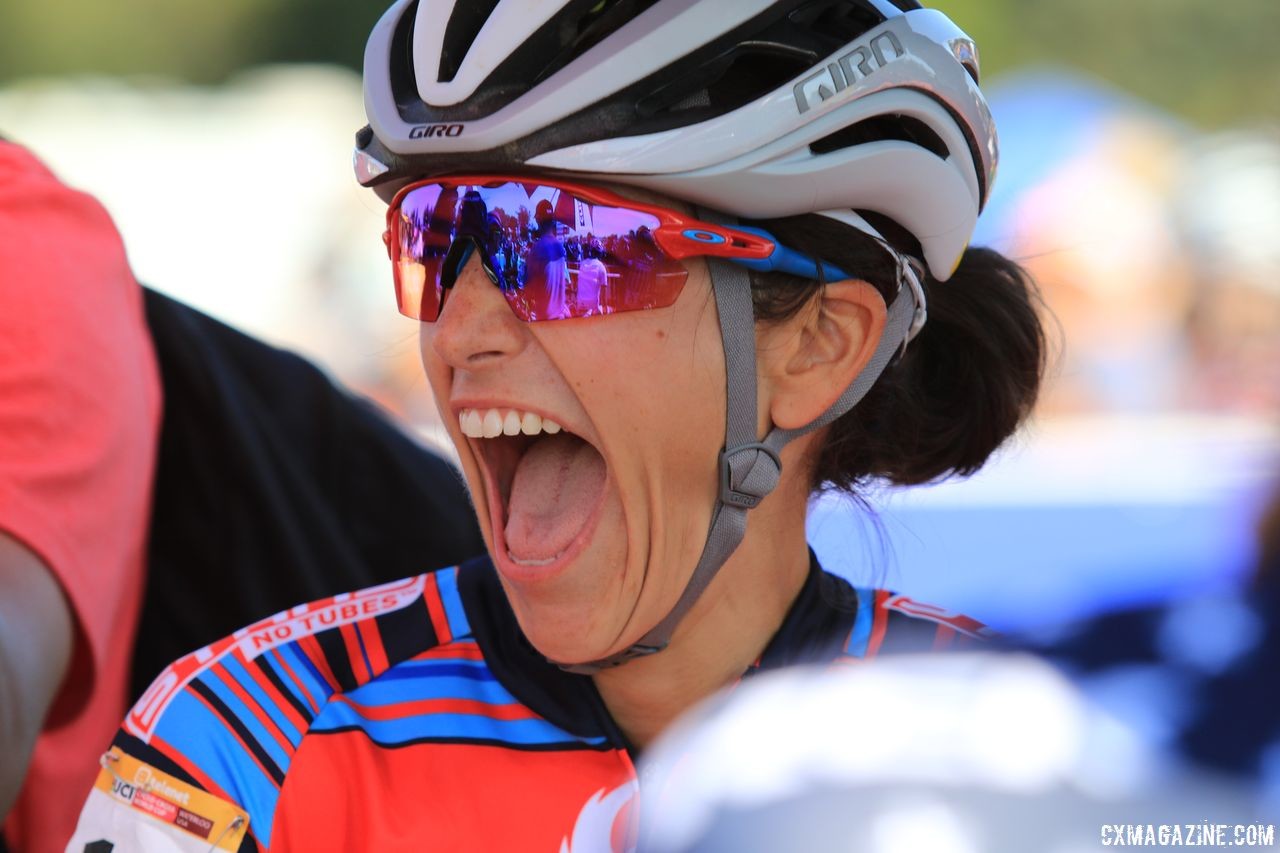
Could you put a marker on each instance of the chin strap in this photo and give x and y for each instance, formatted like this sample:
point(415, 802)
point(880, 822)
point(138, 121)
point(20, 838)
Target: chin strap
point(750, 467)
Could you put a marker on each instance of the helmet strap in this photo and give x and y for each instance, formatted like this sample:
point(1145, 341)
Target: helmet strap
point(750, 467)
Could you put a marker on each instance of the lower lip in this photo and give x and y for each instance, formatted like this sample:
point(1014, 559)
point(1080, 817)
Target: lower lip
point(544, 572)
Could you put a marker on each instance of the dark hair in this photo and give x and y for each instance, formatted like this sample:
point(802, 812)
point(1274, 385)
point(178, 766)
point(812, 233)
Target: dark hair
point(1269, 544)
point(964, 384)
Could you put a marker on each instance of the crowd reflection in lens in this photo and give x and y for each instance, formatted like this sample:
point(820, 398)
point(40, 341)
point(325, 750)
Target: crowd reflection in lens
point(555, 256)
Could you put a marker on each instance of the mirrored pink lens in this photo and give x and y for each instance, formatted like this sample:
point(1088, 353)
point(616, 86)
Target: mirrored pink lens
point(554, 255)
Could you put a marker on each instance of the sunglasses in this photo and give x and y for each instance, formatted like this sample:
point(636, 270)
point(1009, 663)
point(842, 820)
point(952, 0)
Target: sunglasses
point(560, 250)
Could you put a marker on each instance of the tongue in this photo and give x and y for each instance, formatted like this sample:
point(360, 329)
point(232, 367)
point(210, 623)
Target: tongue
point(556, 486)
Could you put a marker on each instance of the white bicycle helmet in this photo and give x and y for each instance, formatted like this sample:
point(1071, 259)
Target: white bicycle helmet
point(757, 109)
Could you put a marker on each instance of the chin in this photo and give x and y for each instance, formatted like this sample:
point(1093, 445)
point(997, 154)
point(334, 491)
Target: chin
point(578, 614)
point(568, 630)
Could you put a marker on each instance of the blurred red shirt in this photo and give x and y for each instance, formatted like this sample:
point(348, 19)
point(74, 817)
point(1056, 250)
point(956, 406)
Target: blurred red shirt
point(79, 416)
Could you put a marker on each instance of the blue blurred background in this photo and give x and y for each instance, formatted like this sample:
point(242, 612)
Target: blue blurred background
point(1140, 182)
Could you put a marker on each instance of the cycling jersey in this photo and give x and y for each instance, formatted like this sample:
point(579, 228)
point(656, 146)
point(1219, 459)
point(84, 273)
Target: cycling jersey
point(415, 716)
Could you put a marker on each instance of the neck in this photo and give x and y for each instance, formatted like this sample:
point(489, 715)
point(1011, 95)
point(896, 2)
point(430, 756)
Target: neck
point(723, 634)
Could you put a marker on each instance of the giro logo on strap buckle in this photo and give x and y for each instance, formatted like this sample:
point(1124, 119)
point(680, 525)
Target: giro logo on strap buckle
point(859, 63)
point(766, 480)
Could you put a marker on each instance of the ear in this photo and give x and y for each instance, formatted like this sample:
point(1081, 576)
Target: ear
point(806, 362)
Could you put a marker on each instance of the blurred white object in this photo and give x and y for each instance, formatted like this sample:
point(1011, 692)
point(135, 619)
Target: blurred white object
point(1230, 205)
point(982, 752)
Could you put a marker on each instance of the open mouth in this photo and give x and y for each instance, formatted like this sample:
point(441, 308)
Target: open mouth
point(547, 480)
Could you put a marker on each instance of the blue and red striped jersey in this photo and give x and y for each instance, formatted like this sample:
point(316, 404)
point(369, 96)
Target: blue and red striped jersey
point(415, 715)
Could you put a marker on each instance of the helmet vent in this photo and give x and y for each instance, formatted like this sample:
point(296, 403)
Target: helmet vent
point(902, 241)
point(700, 98)
point(880, 128)
point(460, 34)
point(593, 26)
point(403, 78)
point(728, 81)
point(837, 20)
point(846, 20)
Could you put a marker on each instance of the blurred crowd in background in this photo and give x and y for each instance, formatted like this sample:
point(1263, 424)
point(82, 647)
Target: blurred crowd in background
point(1139, 182)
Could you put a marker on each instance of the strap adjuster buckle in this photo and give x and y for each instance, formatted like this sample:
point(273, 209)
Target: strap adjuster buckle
point(733, 496)
point(911, 273)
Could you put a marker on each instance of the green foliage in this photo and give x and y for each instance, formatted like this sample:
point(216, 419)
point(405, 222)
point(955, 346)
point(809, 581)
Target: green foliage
point(1214, 62)
point(200, 42)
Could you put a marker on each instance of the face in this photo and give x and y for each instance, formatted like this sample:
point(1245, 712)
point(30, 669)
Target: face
point(596, 528)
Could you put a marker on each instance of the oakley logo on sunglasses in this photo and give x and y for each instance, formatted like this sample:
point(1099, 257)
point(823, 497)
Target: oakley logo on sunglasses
point(424, 131)
point(700, 236)
point(859, 63)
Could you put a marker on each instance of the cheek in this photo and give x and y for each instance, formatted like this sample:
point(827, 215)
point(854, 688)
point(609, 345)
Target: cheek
point(438, 373)
point(681, 400)
point(656, 383)
point(440, 377)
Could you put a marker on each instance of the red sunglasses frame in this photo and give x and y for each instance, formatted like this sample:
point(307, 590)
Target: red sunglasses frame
point(678, 235)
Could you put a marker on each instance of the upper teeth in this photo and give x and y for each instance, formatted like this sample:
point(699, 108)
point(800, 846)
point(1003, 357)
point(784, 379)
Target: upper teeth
point(491, 423)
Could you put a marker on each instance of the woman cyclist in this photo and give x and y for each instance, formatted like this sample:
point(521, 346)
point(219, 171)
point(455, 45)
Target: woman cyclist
point(779, 192)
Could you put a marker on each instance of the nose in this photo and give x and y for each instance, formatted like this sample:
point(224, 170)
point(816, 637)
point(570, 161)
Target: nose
point(476, 326)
